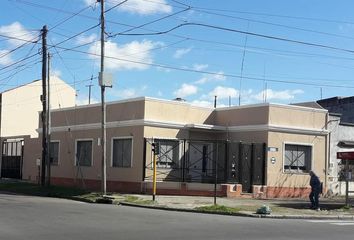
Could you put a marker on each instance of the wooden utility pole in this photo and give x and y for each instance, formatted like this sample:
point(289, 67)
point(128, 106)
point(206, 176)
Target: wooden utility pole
point(48, 125)
point(44, 103)
point(103, 105)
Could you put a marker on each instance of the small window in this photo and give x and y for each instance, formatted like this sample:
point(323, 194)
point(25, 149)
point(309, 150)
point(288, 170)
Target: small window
point(84, 153)
point(169, 153)
point(54, 153)
point(298, 158)
point(122, 153)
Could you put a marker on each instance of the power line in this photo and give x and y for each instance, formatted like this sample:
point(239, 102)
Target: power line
point(276, 15)
point(209, 73)
point(241, 32)
point(156, 20)
point(19, 47)
point(277, 25)
point(117, 5)
point(68, 18)
point(77, 34)
point(208, 11)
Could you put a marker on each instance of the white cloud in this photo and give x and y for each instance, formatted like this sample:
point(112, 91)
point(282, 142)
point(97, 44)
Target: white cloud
point(5, 57)
point(201, 103)
point(219, 76)
point(130, 53)
point(200, 67)
point(186, 90)
point(85, 101)
point(55, 73)
point(181, 52)
point(127, 93)
point(278, 95)
point(16, 30)
point(223, 92)
point(86, 39)
point(142, 7)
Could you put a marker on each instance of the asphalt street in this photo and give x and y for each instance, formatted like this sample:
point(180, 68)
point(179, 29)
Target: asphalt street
point(24, 217)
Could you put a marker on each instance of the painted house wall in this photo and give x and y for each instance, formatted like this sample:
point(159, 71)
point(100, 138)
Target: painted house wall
point(152, 118)
point(177, 112)
point(338, 132)
point(20, 106)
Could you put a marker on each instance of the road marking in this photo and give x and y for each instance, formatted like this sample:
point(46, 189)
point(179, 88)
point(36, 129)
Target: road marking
point(334, 222)
point(331, 221)
point(344, 224)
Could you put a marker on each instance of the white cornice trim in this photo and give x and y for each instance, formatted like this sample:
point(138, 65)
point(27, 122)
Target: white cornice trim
point(293, 107)
point(176, 125)
point(278, 128)
point(143, 99)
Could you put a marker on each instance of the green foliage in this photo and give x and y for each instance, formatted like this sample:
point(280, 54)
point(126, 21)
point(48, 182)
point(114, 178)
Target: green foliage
point(218, 208)
point(52, 191)
point(136, 200)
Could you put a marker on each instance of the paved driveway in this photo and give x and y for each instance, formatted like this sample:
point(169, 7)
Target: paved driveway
point(23, 217)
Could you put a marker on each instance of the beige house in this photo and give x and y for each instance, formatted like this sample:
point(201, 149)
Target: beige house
point(19, 119)
point(263, 149)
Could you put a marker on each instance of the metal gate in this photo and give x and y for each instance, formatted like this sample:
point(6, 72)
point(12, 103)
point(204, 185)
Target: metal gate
point(184, 160)
point(12, 159)
point(205, 161)
point(246, 164)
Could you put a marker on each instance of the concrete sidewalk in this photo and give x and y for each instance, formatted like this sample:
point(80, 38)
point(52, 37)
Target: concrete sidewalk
point(281, 208)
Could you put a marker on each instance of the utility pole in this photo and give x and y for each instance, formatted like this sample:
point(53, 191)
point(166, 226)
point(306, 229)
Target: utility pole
point(44, 103)
point(103, 105)
point(89, 86)
point(48, 124)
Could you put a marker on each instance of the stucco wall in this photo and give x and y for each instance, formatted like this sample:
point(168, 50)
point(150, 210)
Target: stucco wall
point(178, 112)
point(21, 106)
point(275, 174)
point(297, 117)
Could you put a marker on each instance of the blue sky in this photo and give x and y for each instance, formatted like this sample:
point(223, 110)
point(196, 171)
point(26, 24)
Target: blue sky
point(194, 62)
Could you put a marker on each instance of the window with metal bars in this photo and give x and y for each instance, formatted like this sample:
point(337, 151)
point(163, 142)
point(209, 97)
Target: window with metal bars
point(168, 156)
point(298, 158)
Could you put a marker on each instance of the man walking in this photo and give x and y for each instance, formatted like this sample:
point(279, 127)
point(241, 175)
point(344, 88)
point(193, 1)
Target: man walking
point(315, 190)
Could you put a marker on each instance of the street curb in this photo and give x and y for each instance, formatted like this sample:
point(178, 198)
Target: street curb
point(309, 217)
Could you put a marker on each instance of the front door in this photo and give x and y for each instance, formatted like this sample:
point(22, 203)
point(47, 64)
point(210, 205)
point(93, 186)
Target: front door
point(246, 167)
point(11, 164)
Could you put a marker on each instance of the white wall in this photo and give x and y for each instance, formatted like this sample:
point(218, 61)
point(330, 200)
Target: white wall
point(21, 106)
point(337, 133)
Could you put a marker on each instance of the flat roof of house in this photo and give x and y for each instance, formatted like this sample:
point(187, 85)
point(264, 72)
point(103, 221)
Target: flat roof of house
point(194, 106)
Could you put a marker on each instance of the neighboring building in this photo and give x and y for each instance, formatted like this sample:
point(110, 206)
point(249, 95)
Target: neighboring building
point(341, 128)
point(19, 117)
point(263, 149)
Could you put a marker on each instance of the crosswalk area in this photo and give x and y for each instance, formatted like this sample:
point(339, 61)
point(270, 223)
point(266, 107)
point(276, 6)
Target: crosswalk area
point(334, 222)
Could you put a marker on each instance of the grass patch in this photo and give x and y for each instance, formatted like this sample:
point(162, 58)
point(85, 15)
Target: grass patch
point(346, 208)
point(136, 200)
point(218, 209)
point(51, 191)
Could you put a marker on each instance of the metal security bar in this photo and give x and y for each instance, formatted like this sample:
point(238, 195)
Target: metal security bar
point(183, 160)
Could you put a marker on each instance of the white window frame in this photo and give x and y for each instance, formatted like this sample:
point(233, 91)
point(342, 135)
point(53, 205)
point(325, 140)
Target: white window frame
point(131, 157)
point(56, 141)
point(84, 139)
point(299, 144)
